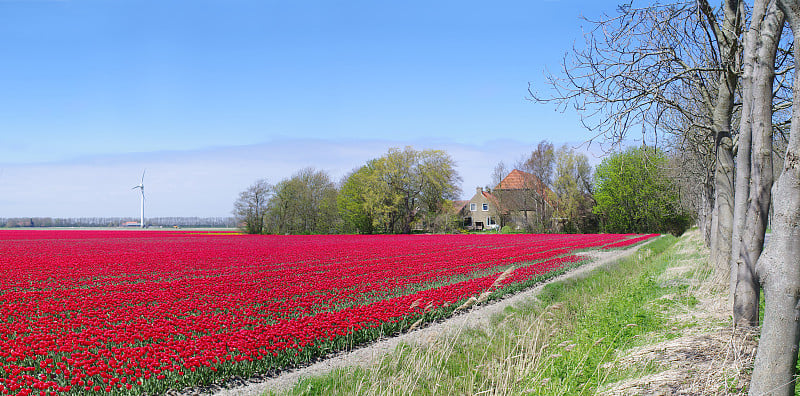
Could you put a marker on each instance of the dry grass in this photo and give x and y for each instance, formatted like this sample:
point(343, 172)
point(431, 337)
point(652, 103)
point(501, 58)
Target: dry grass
point(514, 365)
point(712, 363)
point(709, 358)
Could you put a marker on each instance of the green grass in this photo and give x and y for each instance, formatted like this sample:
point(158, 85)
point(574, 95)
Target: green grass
point(564, 343)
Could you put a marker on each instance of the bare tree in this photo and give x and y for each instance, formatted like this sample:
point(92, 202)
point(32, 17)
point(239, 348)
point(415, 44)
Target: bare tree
point(541, 162)
point(778, 267)
point(499, 172)
point(251, 207)
point(691, 168)
point(754, 167)
point(655, 66)
point(536, 196)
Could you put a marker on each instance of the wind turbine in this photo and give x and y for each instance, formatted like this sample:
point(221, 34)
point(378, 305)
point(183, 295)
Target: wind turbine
point(141, 188)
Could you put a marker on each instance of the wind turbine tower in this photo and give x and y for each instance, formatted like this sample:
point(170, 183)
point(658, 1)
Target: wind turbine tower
point(141, 188)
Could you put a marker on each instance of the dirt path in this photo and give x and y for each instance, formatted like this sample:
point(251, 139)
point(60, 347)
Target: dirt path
point(367, 355)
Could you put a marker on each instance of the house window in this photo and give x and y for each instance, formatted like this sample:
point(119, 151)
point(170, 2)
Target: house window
point(473, 207)
point(490, 221)
point(468, 222)
point(485, 207)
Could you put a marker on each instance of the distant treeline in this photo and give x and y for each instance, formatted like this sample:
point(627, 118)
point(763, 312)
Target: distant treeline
point(17, 222)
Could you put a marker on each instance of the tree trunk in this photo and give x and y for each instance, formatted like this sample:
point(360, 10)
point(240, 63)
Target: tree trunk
point(408, 216)
point(707, 210)
point(722, 222)
point(723, 174)
point(779, 266)
point(742, 187)
point(762, 40)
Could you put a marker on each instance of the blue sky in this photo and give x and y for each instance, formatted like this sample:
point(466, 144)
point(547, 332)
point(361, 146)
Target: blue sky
point(211, 95)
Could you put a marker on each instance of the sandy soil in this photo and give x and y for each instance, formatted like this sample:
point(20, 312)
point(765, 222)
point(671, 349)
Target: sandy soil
point(367, 355)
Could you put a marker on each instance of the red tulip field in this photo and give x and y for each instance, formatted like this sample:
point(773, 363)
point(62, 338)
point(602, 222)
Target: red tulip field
point(131, 312)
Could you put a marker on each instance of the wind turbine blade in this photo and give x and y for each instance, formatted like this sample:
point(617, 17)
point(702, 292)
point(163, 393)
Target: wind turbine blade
point(143, 176)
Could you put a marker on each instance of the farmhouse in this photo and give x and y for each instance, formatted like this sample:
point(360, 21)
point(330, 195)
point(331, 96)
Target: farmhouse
point(481, 211)
point(521, 200)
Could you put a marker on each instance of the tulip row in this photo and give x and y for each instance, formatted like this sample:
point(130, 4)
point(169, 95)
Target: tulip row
point(625, 243)
point(144, 311)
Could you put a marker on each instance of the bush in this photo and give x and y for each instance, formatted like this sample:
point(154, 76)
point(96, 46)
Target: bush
point(511, 230)
point(633, 194)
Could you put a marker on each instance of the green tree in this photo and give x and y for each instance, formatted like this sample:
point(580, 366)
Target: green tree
point(391, 193)
point(573, 188)
point(304, 204)
point(365, 203)
point(419, 183)
point(440, 186)
point(633, 194)
point(351, 202)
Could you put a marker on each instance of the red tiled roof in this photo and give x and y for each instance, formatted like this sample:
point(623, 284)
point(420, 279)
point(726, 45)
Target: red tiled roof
point(519, 180)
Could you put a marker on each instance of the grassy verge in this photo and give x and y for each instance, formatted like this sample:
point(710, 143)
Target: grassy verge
point(569, 341)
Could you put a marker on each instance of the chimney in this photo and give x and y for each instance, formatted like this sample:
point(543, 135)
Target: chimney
point(478, 190)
